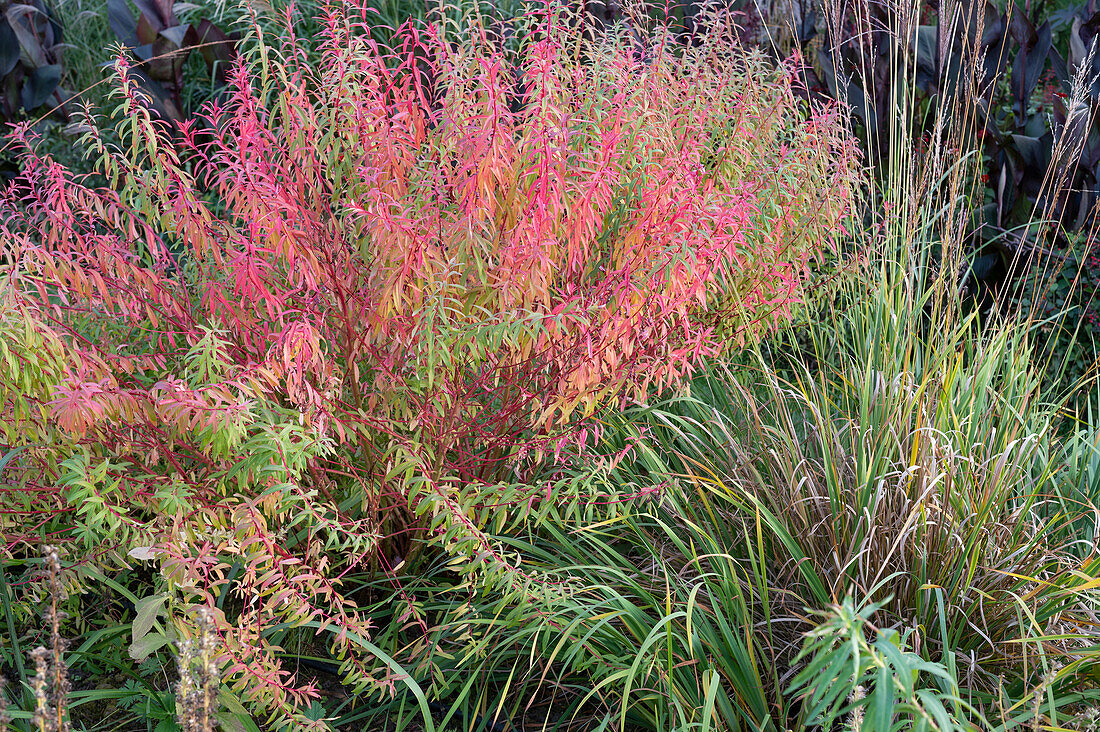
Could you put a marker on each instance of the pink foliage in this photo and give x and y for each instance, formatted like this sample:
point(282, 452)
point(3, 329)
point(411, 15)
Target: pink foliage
point(440, 260)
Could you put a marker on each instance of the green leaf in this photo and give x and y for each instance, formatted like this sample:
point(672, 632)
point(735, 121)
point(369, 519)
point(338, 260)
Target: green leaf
point(167, 725)
point(140, 650)
point(935, 709)
point(882, 701)
point(711, 682)
point(145, 614)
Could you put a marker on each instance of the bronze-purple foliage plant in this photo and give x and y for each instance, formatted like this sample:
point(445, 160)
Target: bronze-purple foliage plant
point(157, 38)
point(30, 58)
point(1025, 89)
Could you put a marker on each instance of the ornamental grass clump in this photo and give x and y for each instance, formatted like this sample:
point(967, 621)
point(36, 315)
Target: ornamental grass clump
point(338, 319)
point(902, 463)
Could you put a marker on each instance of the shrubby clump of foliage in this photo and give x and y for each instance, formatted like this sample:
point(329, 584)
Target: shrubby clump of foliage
point(370, 310)
point(555, 369)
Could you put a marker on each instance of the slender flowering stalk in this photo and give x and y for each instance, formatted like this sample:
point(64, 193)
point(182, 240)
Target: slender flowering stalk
point(51, 682)
point(200, 677)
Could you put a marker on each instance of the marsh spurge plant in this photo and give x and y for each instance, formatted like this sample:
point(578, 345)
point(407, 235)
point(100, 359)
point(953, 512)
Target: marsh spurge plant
point(366, 297)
